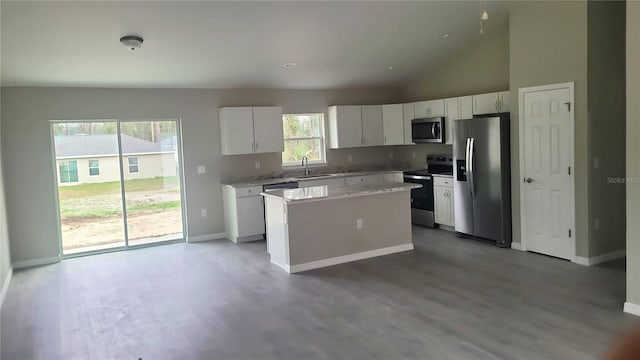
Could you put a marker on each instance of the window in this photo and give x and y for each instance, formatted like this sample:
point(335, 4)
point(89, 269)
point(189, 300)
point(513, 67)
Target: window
point(94, 168)
point(303, 136)
point(68, 171)
point(133, 165)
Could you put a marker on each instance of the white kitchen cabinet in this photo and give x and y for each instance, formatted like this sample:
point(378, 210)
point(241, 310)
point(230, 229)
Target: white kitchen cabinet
point(394, 177)
point(372, 134)
point(455, 109)
point(429, 108)
point(243, 213)
point(408, 114)
point(322, 181)
point(345, 126)
point(248, 130)
point(365, 179)
point(491, 103)
point(393, 124)
point(443, 201)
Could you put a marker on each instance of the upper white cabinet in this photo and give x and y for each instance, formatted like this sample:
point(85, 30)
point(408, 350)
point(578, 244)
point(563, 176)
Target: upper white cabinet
point(353, 126)
point(456, 108)
point(393, 124)
point(372, 125)
point(408, 114)
point(430, 108)
point(248, 130)
point(491, 103)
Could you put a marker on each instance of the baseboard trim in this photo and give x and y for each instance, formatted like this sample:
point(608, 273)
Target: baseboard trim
point(631, 308)
point(286, 268)
point(206, 237)
point(595, 260)
point(346, 258)
point(35, 262)
point(516, 246)
point(5, 286)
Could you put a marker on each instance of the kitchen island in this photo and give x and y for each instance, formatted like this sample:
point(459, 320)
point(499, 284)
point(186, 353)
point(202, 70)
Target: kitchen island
point(320, 226)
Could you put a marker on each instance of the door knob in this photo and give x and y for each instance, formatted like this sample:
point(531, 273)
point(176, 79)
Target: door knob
point(528, 180)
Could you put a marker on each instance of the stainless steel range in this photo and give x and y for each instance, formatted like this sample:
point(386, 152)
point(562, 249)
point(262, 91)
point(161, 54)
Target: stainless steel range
point(422, 198)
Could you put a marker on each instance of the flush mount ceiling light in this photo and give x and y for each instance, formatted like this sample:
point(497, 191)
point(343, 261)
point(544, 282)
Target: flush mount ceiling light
point(444, 36)
point(289, 65)
point(389, 67)
point(484, 16)
point(131, 42)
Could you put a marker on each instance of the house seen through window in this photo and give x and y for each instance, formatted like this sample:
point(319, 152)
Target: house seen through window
point(133, 164)
point(303, 136)
point(94, 167)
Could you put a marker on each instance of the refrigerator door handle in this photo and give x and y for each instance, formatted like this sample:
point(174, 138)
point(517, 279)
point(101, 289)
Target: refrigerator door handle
point(470, 170)
point(467, 168)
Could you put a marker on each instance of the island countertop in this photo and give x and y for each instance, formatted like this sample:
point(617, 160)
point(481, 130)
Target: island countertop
point(326, 192)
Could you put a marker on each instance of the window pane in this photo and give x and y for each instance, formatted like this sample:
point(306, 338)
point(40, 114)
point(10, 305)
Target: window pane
point(64, 172)
point(296, 126)
point(133, 161)
point(94, 171)
point(73, 171)
point(294, 150)
point(93, 163)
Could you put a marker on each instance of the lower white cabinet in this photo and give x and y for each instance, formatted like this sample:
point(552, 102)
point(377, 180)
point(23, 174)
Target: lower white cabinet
point(243, 213)
point(443, 201)
point(365, 179)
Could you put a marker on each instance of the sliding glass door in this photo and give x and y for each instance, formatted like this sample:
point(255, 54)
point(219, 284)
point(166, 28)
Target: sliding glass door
point(118, 184)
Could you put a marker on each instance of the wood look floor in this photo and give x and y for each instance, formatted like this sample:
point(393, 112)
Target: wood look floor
point(449, 299)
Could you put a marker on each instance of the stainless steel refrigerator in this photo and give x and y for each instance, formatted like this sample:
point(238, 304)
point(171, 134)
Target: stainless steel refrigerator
point(482, 186)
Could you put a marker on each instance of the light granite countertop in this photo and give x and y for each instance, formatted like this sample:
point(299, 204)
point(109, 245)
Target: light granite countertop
point(280, 180)
point(327, 192)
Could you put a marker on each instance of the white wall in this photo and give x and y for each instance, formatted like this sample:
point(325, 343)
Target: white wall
point(27, 150)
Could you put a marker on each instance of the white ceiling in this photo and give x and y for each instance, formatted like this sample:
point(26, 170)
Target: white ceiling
point(235, 44)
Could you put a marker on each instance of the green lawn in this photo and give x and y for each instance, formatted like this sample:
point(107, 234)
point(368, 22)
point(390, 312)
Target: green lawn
point(113, 187)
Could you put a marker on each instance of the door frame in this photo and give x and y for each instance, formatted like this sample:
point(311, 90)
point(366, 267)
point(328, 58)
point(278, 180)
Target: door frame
point(572, 181)
point(126, 246)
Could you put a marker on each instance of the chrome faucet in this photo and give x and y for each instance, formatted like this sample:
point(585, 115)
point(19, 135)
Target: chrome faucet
point(306, 167)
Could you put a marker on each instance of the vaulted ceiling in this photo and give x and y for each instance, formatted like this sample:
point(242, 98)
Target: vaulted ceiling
point(235, 44)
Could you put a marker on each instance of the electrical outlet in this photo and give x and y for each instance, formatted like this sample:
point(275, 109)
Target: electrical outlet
point(390, 154)
point(257, 163)
point(359, 224)
point(413, 154)
point(596, 224)
point(203, 212)
point(349, 158)
point(202, 169)
point(596, 163)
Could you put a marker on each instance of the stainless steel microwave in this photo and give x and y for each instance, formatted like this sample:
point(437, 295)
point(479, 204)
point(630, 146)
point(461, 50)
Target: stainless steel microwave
point(428, 130)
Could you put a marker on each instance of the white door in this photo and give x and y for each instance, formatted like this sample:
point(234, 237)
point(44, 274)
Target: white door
point(372, 125)
point(392, 124)
point(547, 186)
point(236, 130)
point(267, 125)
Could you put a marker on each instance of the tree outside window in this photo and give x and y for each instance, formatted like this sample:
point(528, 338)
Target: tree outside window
point(303, 136)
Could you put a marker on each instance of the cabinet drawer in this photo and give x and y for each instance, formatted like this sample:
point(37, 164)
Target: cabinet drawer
point(248, 191)
point(443, 181)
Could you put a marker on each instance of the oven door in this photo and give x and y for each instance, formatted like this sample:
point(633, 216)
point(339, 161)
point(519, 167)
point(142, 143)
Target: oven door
point(421, 198)
point(427, 131)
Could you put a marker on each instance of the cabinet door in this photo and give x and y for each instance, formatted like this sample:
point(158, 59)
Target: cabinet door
point(452, 209)
point(430, 108)
point(345, 126)
point(466, 107)
point(485, 104)
point(452, 108)
point(250, 215)
point(267, 125)
point(395, 177)
point(392, 124)
point(236, 130)
point(372, 125)
point(365, 179)
point(442, 205)
point(408, 114)
point(504, 102)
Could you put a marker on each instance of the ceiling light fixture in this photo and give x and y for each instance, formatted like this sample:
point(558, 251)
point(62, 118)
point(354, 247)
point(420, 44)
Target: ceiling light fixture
point(484, 16)
point(444, 36)
point(389, 67)
point(132, 42)
point(289, 65)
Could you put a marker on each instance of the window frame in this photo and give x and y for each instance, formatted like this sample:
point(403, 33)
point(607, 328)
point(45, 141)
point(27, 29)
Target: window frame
point(136, 165)
point(323, 142)
point(96, 168)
